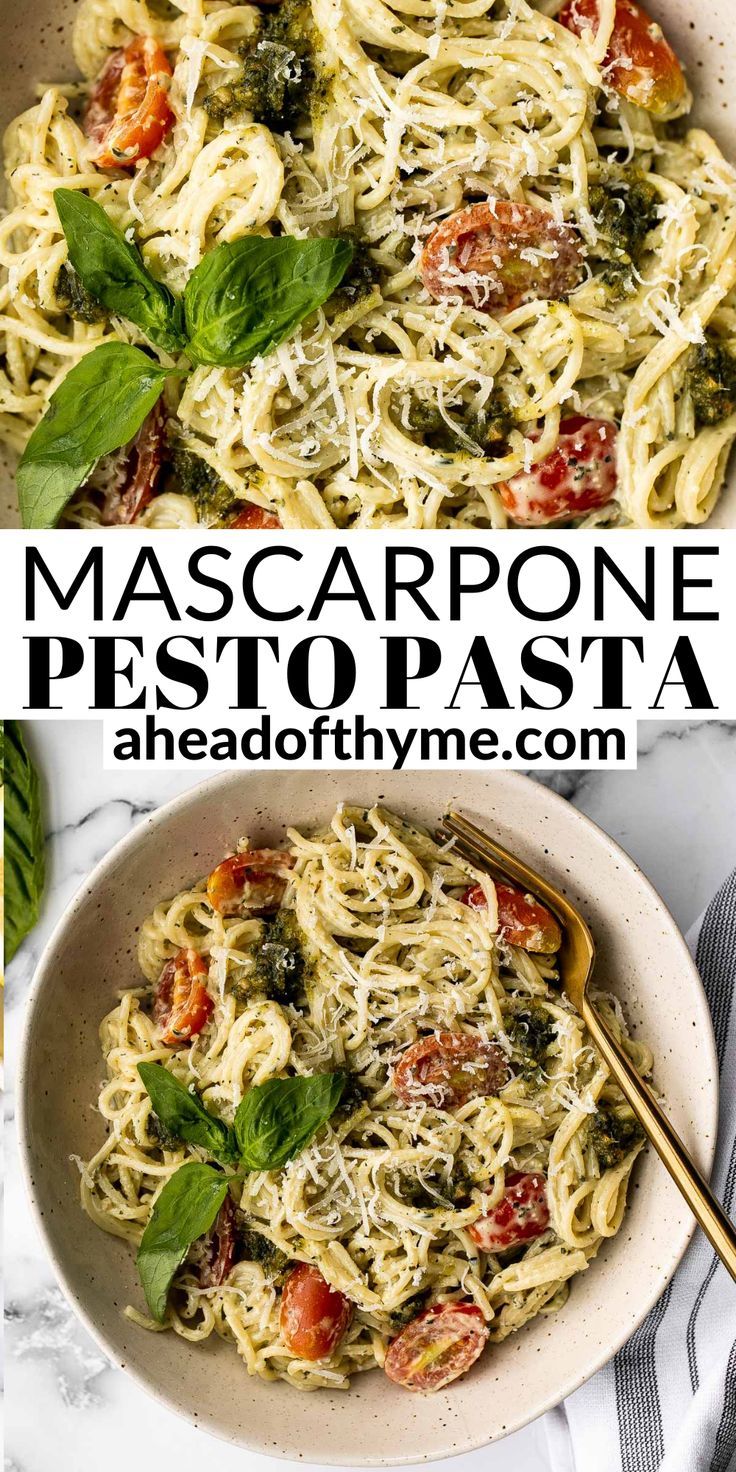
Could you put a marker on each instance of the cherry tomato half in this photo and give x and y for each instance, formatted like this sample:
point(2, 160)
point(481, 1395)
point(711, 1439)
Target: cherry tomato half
point(521, 918)
point(639, 63)
point(500, 254)
point(253, 880)
point(521, 1215)
point(182, 1005)
point(128, 115)
point(131, 475)
point(450, 1068)
point(437, 1346)
point(578, 476)
point(314, 1316)
point(221, 1246)
point(254, 519)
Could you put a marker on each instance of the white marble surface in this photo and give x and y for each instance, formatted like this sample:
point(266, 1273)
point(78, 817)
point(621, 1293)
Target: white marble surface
point(67, 1409)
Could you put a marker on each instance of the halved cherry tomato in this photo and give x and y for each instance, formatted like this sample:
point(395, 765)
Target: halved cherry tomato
point(314, 1316)
point(449, 1069)
point(255, 519)
point(182, 1004)
point(639, 63)
point(253, 880)
point(221, 1246)
point(521, 1215)
point(500, 254)
point(578, 476)
point(128, 114)
point(437, 1346)
point(521, 918)
point(130, 476)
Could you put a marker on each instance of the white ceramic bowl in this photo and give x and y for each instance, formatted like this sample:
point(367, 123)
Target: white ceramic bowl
point(702, 35)
point(91, 955)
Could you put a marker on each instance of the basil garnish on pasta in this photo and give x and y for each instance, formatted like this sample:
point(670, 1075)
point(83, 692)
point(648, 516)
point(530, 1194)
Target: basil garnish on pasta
point(98, 407)
point(184, 1211)
point(276, 1120)
point(248, 295)
point(182, 1113)
point(24, 839)
point(111, 268)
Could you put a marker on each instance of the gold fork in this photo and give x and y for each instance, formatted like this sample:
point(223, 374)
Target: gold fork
point(576, 958)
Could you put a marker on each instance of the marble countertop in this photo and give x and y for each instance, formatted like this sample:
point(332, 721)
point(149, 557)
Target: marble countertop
point(67, 1408)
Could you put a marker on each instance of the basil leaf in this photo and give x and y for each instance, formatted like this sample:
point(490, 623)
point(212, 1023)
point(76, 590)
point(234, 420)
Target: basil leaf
point(112, 269)
point(184, 1115)
point(184, 1211)
point(277, 1119)
point(247, 295)
point(99, 406)
point(24, 841)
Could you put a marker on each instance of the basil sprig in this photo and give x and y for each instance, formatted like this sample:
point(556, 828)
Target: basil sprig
point(112, 269)
point(24, 840)
point(276, 1120)
point(183, 1114)
point(248, 295)
point(243, 299)
point(184, 1211)
point(99, 406)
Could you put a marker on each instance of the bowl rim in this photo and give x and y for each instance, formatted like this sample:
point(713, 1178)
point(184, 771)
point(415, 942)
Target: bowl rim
point(711, 1097)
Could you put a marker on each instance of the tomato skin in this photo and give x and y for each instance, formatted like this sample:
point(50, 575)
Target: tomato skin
point(249, 881)
point(521, 1215)
point(313, 1316)
point(254, 519)
point(523, 920)
point(578, 476)
point(639, 63)
point(135, 472)
point(448, 1069)
point(490, 244)
point(439, 1345)
point(220, 1247)
point(182, 1005)
point(129, 115)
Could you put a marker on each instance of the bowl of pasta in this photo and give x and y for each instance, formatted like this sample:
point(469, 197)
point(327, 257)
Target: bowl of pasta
point(324, 1120)
point(484, 257)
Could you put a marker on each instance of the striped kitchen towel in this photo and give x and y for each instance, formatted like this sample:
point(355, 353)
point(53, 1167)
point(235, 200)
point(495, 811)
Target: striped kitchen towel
point(667, 1400)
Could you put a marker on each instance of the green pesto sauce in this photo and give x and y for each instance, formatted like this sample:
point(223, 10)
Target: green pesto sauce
point(625, 210)
point(489, 428)
point(408, 1187)
point(278, 81)
point(190, 475)
point(352, 1099)
point(279, 968)
point(361, 278)
point(254, 1247)
point(75, 299)
point(613, 1135)
point(711, 382)
point(531, 1032)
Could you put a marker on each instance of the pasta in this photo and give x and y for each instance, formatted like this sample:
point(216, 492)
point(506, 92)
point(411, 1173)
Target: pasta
point(387, 407)
point(402, 944)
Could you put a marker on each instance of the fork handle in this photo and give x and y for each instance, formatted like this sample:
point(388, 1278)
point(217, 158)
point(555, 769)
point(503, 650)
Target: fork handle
point(708, 1212)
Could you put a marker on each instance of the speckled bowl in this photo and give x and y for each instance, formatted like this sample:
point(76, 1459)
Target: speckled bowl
point(702, 35)
point(91, 955)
